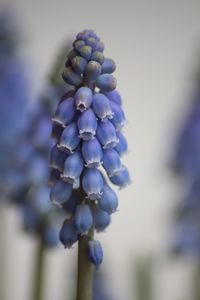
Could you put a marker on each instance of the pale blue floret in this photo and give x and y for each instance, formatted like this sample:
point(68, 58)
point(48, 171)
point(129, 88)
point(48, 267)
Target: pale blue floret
point(106, 134)
point(108, 201)
point(83, 218)
point(114, 96)
point(101, 107)
point(68, 233)
point(92, 183)
point(83, 98)
point(69, 139)
point(73, 167)
point(60, 192)
point(111, 162)
point(95, 252)
point(101, 219)
point(70, 205)
point(87, 124)
point(65, 112)
point(79, 64)
point(92, 153)
point(57, 158)
point(122, 179)
point(106, 82)
point(122, 146)
point(119, 119)
point(108, 66)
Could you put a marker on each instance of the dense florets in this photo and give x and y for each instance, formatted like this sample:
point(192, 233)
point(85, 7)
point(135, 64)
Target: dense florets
point(89, 143)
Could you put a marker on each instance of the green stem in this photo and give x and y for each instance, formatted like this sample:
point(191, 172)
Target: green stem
point(39, 272)
point(85, 270)
point(197, 282)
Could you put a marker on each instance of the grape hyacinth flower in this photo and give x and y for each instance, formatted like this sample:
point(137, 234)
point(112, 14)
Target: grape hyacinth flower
point(87, 129)
point(186, 165)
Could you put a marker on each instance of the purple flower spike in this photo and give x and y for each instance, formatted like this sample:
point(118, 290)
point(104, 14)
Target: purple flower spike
point(87, 129)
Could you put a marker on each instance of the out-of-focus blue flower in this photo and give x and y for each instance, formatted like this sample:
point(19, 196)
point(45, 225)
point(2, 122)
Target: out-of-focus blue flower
point(186, 164)
point(95, 107)
point(31, 191)
point(15, 96)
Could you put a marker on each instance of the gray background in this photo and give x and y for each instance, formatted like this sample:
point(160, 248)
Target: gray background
point(155, 46)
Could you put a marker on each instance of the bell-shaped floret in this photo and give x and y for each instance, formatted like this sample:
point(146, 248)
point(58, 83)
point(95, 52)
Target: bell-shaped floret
point(65, 112)
point(114, 96)
point(69, 139)
point(101, 219)
point(87, 124)
point(73, 167)
point(95, 252)
point(68, 233)
point(92, 183)
point(108, 201)
point(85, 52)
point(106, 82)
point(70, 205)
point(92, 70)
point(79, 64)
point(70, 77)
point(83, 98)
point(98, 56)
point(60, 192)
point(83, 218)
point(122, 146)
point(57, 158)
point(122, 179)
point(106, 134)
point(108, 66)
point(119, 119)
point(111, 162)
point(101, 107)
point(92, 153)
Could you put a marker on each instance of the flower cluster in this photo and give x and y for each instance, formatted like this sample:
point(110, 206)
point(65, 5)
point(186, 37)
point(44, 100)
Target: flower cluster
point(89, 143)
point(31, 193)
point(14, 100)
point(187, 166)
